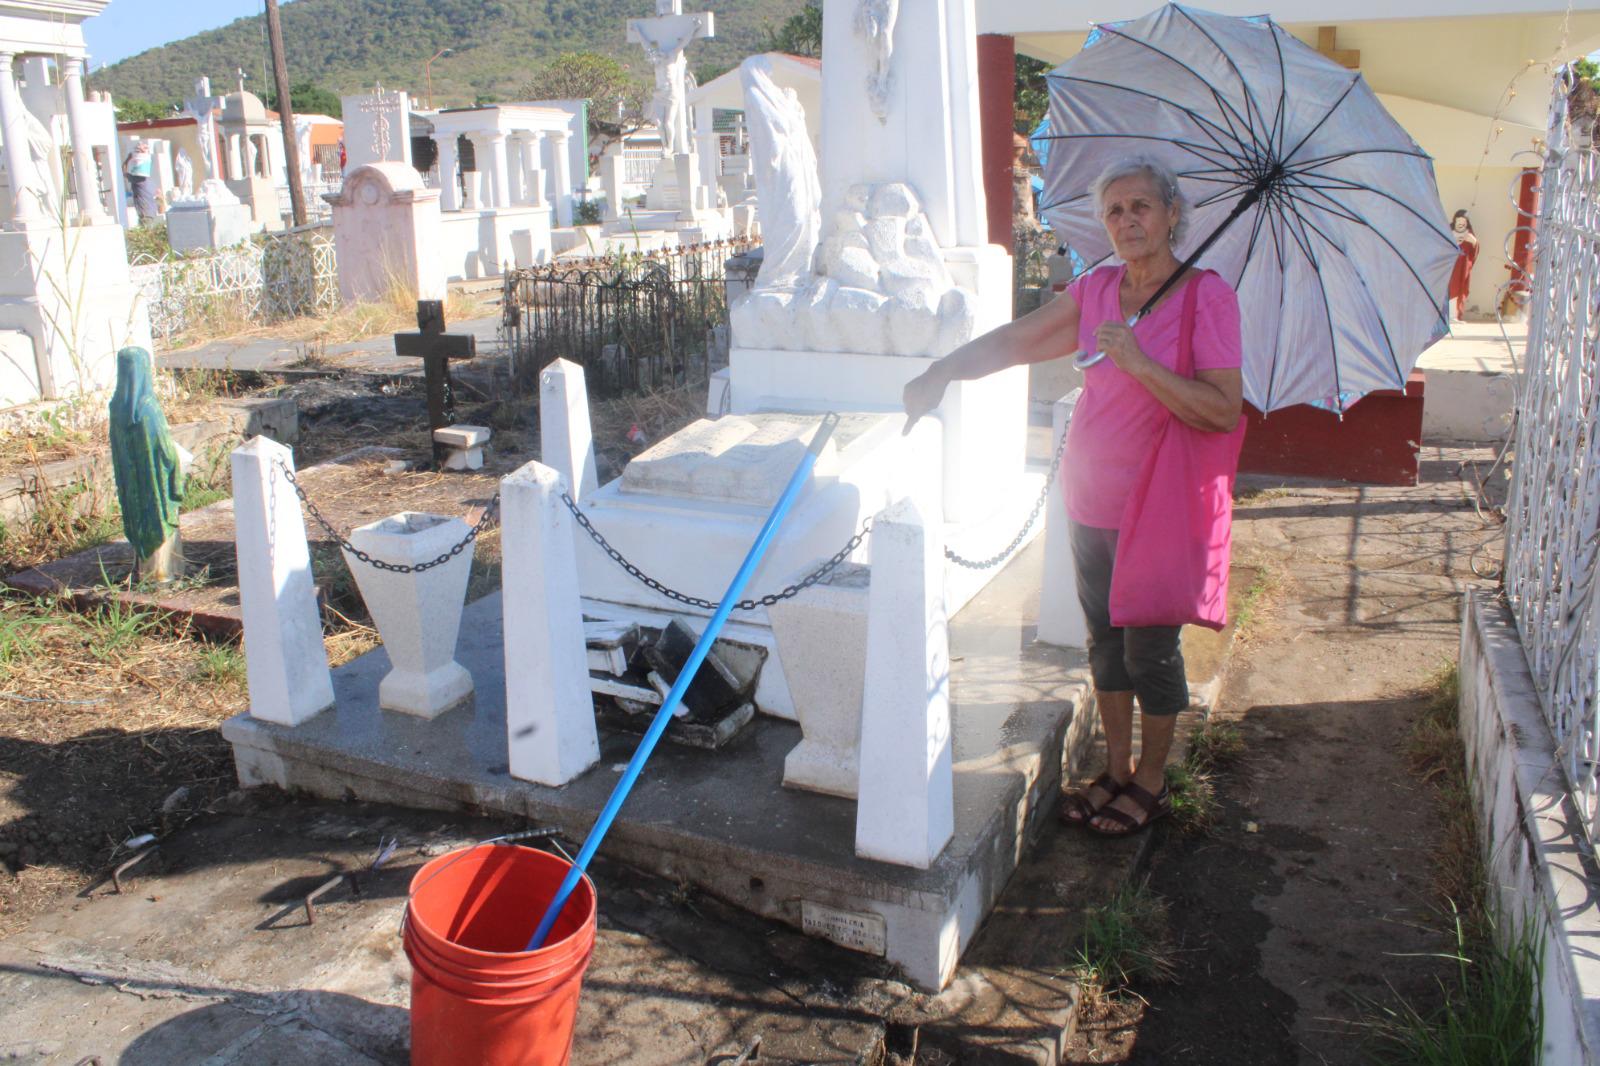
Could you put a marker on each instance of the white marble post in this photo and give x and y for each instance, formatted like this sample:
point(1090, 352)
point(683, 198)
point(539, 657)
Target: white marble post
point(708, 149)
point(471, 180)
point(561, 171)
point(565, 440)
point(1061, 619)
point(286, 663)
point(611, 182)
point(683, 167)
point(83, 175)
point(449, 191)
point(536, 172)
point(499, 171)
point(550, 731)
point(14, 132)
point(905, 808)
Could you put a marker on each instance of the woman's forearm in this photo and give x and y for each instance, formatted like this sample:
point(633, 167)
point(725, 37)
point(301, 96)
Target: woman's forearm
point(1201, 404)
point(1030, 339)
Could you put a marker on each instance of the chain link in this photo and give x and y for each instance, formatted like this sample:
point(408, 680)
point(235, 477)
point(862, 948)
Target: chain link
point(768, 600)
point(380, 564)
point(1033, 516)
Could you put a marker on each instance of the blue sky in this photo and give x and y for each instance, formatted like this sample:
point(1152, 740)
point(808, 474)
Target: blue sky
point(128, 27)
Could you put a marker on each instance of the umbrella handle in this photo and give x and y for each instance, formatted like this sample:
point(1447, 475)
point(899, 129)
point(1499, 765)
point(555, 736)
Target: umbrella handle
point(1087, 359)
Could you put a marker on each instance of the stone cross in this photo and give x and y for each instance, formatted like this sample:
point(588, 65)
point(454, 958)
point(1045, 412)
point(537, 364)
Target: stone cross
point(664, 39)
point(435, 348)
point(242, 76)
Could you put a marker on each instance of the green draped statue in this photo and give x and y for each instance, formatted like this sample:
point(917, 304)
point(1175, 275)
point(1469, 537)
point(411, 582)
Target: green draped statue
point(145, 460)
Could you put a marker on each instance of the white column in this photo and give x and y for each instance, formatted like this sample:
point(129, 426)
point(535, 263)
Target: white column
point(550, 732)
point(83, 174)
point(14, 130)
point(516, 171)
point(471, 179)
point(1061, 619)
point(565, 440)
point(611, 182)
point(561, 172)
point(683, 167)
point(905, 810)
point(449, 191)
point(706, 147)
point(536, 183)
point(286, 663)
point(499, 172)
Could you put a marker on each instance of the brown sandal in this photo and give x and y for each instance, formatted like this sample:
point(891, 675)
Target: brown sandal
point(1076, 810)
point(1157, 806)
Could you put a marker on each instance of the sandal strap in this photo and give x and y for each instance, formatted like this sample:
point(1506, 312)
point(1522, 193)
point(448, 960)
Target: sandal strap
point(1129, 823)
point(1147, 802)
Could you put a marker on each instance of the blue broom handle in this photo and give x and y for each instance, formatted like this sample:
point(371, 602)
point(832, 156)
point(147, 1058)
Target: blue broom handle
point(797, 481)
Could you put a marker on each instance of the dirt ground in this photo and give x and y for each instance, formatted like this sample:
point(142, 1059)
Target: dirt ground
point(108, 719)
point(1313, 902)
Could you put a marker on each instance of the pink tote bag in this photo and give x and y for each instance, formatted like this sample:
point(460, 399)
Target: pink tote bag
point(1174, 542)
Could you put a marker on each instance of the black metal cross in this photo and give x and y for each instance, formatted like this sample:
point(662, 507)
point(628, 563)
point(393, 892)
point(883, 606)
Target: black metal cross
point(435, 348)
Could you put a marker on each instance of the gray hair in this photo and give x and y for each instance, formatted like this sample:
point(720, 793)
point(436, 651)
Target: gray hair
point(1165, 180)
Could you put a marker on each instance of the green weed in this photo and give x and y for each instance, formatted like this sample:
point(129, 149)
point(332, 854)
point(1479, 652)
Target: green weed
point(19, 638)
point(1492, 1013)
point(1194, 798)
point(1126, 940)
point(1215, 746)
point(222, 664)
point(115, 628)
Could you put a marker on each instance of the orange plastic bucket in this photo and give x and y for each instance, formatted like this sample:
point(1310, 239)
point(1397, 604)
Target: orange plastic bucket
point(476, 996)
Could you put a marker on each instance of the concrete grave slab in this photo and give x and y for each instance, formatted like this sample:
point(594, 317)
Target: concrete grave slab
point(723, 820)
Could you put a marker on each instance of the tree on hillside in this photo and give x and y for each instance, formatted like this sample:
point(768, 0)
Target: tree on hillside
point(135, 110)
point(801, 34)
point(616, 98)
point(307, 98)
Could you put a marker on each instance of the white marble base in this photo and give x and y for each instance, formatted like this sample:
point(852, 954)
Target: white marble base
point(418, 615)
point(481, 244)
point(193, 225)
point(823, 634)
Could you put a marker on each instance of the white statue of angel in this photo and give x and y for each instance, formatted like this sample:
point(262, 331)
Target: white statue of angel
point(788, 188)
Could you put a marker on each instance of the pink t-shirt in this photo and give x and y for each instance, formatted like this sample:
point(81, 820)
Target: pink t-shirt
point(1117, 419)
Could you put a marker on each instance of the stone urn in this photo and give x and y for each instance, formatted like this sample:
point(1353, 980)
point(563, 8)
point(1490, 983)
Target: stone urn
point(418, 615)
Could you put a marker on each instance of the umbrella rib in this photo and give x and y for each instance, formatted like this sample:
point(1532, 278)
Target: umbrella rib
point(1192, 147)
point(1251, 103)
point(1277, 249)
point(1276, 134)
point(1181, 66)
point(1348, 185)
point(1375, 232)
point(1389, 343)
point(1307, 223)
point(1194, 116)
point(1304, 241)
point(1312, 132)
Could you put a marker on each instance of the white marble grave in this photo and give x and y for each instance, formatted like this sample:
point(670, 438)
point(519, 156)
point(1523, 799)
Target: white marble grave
point(388, 234)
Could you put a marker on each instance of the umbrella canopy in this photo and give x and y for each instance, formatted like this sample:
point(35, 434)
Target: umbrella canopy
point(1331, 227)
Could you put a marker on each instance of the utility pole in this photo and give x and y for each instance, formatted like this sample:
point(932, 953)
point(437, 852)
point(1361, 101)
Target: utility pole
point(291, 146)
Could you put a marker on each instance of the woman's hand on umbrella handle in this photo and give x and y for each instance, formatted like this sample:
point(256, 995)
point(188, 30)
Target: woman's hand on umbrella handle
point(922, 394)
point(1119, 344)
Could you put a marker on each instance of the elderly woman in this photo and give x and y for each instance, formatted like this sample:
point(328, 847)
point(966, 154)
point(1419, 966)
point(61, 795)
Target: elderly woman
point(1127, 399)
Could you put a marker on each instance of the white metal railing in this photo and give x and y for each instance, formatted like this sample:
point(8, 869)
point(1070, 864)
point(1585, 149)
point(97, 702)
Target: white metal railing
point(639, 167)
point(266, 279)
point(1553, 512)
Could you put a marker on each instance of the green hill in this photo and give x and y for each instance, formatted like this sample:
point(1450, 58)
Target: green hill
point(349, 45)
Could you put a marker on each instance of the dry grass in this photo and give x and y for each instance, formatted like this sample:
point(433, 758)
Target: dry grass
point(395, 311)
point(1438, 757)
point(103, 717)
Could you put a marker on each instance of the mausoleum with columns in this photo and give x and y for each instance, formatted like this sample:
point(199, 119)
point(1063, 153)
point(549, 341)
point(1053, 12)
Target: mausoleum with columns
point(66, 301)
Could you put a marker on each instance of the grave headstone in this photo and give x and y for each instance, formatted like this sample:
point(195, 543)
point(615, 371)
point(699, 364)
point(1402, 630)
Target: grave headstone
point(377, 129)
point(435, 348)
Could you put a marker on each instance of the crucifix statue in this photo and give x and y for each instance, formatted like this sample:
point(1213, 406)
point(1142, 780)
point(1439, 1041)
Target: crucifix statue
point(664, 39)
point(202, 105)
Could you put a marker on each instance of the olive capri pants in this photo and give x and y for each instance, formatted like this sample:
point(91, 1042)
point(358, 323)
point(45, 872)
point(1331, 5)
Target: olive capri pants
point(1145, 660)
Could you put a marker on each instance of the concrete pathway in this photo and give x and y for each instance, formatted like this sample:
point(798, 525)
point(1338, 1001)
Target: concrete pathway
point(1314, 900)
point(268, 355)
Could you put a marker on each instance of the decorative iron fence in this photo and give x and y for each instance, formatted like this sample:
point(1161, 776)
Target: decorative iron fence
point(635, 323)
point(268, 279)
point(1553, 512)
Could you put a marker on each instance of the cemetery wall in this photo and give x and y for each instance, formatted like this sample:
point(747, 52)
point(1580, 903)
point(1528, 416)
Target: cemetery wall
point(1541, 866)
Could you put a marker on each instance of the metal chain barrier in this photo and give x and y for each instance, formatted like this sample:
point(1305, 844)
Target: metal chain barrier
point(768, 600)
point(1033, 516)
point(380, 564)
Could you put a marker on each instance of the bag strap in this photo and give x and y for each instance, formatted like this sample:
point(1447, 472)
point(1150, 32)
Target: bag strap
point(1191, 294)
